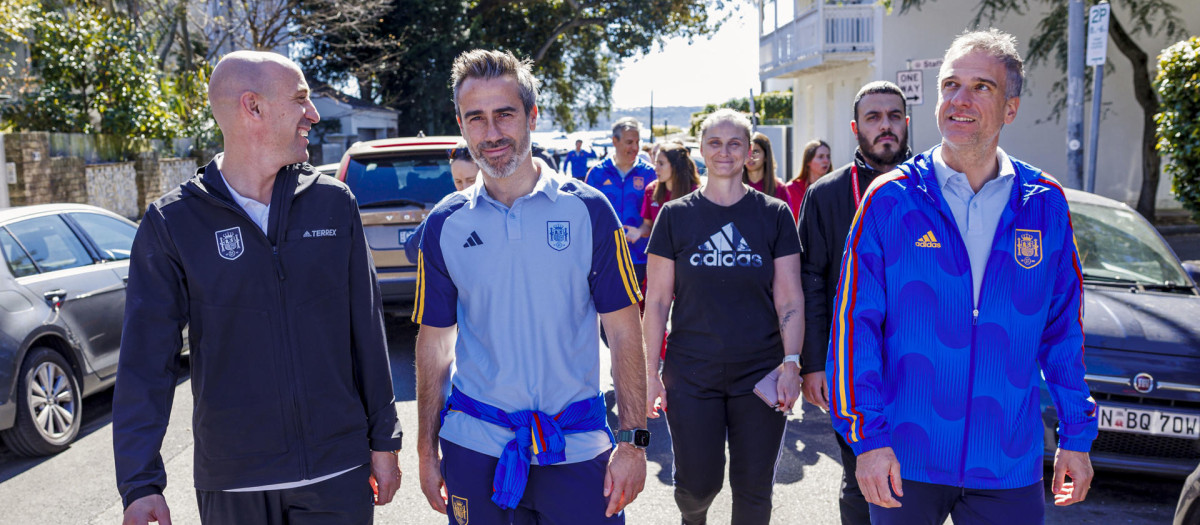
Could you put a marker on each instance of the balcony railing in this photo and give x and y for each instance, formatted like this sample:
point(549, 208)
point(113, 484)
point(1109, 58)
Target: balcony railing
point(815, 34)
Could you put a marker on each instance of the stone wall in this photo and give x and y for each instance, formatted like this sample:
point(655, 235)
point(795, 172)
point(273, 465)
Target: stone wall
point(113, 187)
point(125, 188)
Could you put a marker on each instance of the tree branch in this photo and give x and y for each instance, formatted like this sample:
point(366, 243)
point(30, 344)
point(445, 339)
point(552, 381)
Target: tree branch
point(1146, 97)
point(563, 28)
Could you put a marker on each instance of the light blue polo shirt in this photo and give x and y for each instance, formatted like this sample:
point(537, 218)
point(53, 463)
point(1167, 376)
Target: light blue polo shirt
point(524, 285)
point(976, 214)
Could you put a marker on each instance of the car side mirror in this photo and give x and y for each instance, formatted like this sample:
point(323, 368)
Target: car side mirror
point(1193, 270)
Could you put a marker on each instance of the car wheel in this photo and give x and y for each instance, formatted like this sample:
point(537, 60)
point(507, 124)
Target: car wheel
point(48, 406)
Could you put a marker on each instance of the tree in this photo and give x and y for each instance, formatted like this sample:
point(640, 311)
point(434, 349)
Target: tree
point(93, 77)
point(771, 106)
point(1178, 83)
point(16, 21)
point(576, 46)
point(1128, 18)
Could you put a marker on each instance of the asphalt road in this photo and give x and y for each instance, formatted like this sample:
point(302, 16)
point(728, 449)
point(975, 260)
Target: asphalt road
point(78, 487)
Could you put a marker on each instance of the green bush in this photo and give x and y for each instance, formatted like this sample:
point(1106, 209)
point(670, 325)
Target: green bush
point(773, 107)
point(1178, 85)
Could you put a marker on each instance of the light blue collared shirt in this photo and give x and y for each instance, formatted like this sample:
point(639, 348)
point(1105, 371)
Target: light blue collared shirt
point(976, 214)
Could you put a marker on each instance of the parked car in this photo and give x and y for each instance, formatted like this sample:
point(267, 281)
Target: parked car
point(62, 301)
point(397, 181)
point(328, 169)
point(1187, 512)
point(1142, 343)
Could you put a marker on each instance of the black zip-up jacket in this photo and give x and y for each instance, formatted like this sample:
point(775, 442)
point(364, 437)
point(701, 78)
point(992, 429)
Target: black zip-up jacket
point(825, 219)
point(290, 374)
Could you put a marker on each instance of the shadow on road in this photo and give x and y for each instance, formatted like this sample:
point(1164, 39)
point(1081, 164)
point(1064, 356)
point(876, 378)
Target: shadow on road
point(97, 415)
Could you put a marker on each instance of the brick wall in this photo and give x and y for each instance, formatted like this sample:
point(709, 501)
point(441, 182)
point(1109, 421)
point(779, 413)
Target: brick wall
point(125, 188)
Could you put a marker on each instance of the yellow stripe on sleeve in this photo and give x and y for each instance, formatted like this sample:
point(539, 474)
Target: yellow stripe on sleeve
point(419, 303)
point(624, 264)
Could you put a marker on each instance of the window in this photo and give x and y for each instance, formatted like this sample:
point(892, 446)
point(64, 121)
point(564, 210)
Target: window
point(51, 243)
point(112, 236)
point(395, 180)
point(18, 261)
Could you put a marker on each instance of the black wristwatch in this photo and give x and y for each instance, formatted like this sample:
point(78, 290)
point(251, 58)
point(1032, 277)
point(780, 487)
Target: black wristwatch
point(638, 437)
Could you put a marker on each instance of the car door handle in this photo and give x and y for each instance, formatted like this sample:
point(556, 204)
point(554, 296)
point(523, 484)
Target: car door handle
point(55, 298)
point(125, 279)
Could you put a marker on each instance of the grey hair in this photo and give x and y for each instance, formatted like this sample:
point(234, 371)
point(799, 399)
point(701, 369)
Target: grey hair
point(999, 45)
point(488, 64)
point(625, 124)
point(726, 115)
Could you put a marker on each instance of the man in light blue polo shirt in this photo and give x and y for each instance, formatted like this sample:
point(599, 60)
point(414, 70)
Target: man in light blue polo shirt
point(517, 269)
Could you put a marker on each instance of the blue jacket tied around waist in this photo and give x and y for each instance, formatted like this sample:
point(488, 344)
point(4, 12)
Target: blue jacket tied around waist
point(534, 429)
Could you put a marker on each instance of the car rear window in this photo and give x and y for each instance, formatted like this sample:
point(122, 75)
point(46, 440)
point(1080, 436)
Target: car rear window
point(420, 178)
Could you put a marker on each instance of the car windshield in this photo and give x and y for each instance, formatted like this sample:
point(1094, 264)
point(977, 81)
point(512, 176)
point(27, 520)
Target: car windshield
point(397, 180)
point(1118, 246)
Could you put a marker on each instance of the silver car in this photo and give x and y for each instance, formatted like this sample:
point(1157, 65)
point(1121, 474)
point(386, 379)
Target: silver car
point(62, 301)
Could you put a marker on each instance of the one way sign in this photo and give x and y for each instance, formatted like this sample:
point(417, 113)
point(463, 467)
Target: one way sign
point(910, 83)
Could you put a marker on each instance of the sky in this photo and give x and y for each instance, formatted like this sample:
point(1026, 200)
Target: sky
point(674, 72)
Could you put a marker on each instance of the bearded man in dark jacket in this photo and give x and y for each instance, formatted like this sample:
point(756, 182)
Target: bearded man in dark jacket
point(881, 125)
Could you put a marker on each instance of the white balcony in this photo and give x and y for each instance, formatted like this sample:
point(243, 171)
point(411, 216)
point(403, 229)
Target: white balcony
point(819, 37)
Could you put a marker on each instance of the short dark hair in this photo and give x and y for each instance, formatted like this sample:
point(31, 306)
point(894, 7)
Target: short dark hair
point(879, 87)
point(488, 64)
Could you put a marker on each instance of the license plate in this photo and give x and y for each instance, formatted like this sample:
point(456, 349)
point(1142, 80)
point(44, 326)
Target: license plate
point(1152, 422)
point(405, 235)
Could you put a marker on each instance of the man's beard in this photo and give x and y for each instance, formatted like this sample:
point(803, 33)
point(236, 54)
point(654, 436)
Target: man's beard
point(503, 167)
point(900, 154)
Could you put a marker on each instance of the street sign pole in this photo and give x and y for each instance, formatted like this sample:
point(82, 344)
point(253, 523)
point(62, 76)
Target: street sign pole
point(1075, 39)
point(1097, 49)
point(910, 83)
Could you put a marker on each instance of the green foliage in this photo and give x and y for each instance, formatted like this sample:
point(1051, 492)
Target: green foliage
point(771, 106)
point(661, 131)
point(576, 46)
point(15, 25)
point(1178, 85)
point(95, 77)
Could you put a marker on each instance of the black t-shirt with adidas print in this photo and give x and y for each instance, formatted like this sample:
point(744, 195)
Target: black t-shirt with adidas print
point(724, 266)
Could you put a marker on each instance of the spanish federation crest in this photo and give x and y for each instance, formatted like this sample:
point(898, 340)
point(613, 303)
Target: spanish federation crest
point(1028, 249)
point(460, 509)
point(558, 234)
point(229, 243)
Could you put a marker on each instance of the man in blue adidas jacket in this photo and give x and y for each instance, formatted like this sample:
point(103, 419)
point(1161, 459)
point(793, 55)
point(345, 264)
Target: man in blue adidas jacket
point(960, 289)
point(623, 178)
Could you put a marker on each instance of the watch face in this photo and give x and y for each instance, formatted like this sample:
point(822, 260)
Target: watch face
point(641, 438)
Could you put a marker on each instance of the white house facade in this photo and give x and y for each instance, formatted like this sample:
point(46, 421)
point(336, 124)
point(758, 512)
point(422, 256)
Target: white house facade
point(826, 51)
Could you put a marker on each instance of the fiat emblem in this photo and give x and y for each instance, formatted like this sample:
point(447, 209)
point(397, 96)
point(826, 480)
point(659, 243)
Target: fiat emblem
point(1143, 383)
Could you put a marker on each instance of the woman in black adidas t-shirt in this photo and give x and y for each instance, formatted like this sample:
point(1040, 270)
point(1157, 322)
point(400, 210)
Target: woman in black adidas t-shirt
point(728, 256)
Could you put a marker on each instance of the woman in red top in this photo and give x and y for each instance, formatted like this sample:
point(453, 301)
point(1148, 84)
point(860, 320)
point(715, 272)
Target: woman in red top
point(676, 172)
point(815, 164)
point(759, 164)
point(676, 176)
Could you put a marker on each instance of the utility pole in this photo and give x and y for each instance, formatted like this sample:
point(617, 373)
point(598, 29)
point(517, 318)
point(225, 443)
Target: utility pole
point(1075, 50)
point(651, 116)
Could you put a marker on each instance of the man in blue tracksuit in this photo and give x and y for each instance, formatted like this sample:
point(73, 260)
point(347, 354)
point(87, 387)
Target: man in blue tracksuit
point(960, 290)
point(623, 178)
point(578, 160)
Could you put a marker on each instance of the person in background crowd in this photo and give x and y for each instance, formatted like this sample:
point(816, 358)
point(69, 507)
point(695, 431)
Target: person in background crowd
point(969, 256)
point(814, 164)
point(516, 274)
point(647, 153)
point(462, 167)
point(881, 127)
point(577, 159)
point(295, 419)
point(760, 169)
point(676, 177)
point(622, 178)
point(729, 260)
